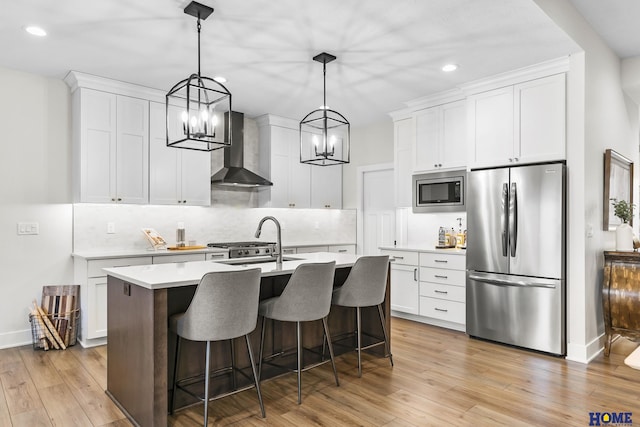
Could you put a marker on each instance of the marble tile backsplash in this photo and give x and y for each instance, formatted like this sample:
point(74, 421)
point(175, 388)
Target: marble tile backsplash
point(205, 224)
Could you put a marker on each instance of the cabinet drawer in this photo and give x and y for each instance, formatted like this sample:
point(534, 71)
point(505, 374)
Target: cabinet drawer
point(166, 259)
point(343, 249)
point(94, 267)
point(441, 275)
point(401, 257)
point(437, 260)
point(216, 255)
point(448, 292)
point(442, 309)
point(288, 251)
point(310, 249)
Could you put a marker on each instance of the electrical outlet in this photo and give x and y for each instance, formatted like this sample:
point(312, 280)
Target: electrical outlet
point(28, 228)
point(111, 228)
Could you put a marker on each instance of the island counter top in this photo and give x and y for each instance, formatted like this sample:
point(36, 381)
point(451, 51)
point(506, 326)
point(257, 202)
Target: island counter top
point(161, 276)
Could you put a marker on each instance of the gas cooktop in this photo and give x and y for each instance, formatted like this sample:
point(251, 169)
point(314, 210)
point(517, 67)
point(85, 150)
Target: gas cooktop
point(245, 249)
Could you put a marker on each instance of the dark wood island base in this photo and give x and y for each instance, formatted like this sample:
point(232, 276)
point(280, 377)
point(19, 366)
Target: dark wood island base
point(141, 350)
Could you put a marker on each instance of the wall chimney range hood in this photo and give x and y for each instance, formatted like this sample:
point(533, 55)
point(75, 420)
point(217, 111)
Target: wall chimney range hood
point(233, 172)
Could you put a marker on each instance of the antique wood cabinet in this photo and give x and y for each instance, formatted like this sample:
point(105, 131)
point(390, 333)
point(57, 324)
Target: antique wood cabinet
point(621, 296)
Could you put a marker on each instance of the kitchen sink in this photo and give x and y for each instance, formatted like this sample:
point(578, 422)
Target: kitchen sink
point(254, 260)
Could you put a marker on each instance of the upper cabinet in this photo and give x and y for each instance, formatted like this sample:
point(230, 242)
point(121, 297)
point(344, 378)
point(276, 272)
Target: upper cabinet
point(111, 147)
point(176, 177)
point(441, 137)
point(521, 123)
point(295, 185)
point(404, 137)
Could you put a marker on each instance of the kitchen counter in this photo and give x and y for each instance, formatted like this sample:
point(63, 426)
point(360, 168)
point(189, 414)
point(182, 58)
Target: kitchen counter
point(140, 300)
point(131, 253)
point(430, 249)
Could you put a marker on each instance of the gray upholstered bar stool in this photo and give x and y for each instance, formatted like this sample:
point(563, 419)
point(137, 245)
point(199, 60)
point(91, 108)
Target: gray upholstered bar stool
point(306, 297)
point(224, 307)
point(365, 287)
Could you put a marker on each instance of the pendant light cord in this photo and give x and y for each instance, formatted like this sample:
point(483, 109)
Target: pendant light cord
point(199, 75)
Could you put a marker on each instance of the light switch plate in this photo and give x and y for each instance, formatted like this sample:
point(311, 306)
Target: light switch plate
point(111, 228)
point(28, 228)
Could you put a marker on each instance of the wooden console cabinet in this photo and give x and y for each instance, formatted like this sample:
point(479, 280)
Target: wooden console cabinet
point(621, 296)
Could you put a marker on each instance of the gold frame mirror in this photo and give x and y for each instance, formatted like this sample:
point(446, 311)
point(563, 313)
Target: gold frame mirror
point(618, 184)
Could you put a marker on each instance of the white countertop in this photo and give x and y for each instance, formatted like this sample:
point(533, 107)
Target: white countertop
point(431, 249)
point(130, 253)
point(159, 276)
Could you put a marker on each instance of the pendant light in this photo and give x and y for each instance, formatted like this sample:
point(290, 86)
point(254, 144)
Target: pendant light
point(324, 133)
point(196, 106)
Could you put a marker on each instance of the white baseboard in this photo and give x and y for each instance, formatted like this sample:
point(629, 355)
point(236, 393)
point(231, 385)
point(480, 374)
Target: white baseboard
point(585, 353)
point(429, 321)
point(15, 338)
point(93, 342)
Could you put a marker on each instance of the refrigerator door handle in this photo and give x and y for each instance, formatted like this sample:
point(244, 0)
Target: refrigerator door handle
point(513, 219)
point(516, 283)
point(504, 217)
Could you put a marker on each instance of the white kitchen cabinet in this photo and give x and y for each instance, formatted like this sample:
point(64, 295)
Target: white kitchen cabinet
point(403, 164)
point(442, 289)
point(326, 187)
point(522, 123)
point(93, 294)
point(176, 176)
point(111, 147)
point(167, 259)
point(343, 249)
point(441, 137)
point(311, 249)
point(404, 281)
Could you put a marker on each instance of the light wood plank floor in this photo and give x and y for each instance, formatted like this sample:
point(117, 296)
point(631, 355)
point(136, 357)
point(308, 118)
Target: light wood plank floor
point(440, 378)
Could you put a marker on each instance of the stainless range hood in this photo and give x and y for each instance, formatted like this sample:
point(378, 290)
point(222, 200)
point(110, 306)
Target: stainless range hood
point(233, 173)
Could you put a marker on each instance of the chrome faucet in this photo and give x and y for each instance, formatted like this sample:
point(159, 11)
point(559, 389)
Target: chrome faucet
point(278, 250)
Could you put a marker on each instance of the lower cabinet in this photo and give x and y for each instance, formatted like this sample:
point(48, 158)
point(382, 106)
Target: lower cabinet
point(341, 249)
point(428, 287)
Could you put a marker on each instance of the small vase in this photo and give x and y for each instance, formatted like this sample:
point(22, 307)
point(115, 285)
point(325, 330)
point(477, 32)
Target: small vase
point(624, 237)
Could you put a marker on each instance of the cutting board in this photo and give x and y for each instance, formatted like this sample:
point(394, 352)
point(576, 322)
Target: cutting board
point(185, 248)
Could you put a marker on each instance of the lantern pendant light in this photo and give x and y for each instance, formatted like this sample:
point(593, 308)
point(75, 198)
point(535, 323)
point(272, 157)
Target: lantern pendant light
point(196, 106)
point(324, 133)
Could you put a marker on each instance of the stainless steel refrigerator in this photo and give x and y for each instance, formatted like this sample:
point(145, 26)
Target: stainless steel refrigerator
point(516, 256)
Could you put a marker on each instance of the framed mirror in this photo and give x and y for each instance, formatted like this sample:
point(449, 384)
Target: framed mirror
point(618, 184)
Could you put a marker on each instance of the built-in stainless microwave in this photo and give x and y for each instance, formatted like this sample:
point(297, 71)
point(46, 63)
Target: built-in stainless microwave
point(439, 191)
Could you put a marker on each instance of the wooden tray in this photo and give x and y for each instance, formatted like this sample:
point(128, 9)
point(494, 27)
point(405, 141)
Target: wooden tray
point(185, 248)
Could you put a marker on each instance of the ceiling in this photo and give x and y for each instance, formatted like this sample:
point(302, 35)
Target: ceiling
point(388, 51)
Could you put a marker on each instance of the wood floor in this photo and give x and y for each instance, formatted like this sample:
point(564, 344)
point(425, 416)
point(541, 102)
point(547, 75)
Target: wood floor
point(440, 378)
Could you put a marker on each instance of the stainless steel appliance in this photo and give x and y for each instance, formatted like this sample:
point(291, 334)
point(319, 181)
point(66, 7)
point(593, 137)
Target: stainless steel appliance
point(246, 249)
point(516, 256)
point(439, 192)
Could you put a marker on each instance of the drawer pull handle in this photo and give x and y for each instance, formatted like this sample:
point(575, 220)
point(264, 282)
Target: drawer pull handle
point(440, 292)
point(441, 309)
point(415, 272)
point(398, 257)
point(441, 260)
point(216, 255)
point(342, 250)
point(440, 277)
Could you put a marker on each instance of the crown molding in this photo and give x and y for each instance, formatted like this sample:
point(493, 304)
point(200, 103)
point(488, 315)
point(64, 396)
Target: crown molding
point(77, 80)
point(273, 120)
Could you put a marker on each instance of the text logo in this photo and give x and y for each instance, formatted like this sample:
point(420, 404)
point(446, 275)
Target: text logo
point(610, 419)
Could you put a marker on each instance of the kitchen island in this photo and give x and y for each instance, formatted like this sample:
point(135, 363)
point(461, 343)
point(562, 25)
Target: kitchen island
point(141, 351)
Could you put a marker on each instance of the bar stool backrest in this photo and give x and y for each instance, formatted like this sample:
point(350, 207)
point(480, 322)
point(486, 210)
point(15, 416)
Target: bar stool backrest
point(366, 284)
point(224, 306)
point(307, 295)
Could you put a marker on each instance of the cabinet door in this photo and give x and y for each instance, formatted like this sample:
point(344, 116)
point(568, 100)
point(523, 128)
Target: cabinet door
point(404, 289)
point(491, 127)
point(404, 134)
point(280, 167)
point(326, 187)
point(540, 119)
point(163, 161)
point(97, 316)
point(299, 174)
point(97, 146)
point(428, 126)
point(453, 139)
point(195, 177)
point(132, 150)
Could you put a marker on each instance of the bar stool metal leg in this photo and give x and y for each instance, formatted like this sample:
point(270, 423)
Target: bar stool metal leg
point(359, 337)
point(333, 361)
point(261, 349)
point(299, 371)
point(255, 374)
point(206, 384)
point(233, 364)
point(386, 334)
point(175, 376)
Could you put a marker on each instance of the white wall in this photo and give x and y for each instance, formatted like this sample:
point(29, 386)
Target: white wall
point(36, 187)
point(370, 145)
point(608, 120)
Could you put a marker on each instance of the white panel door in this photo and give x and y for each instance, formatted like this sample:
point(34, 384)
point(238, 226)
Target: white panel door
point(326, 187)
point(163, 161)
point(540, 119)
point(491, 127)
point(132, 150)
point(97, 146)
point(378, 211)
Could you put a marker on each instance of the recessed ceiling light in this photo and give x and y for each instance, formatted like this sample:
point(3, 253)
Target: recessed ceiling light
point(449, 67)
point(220, 79)
point(36, 31)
